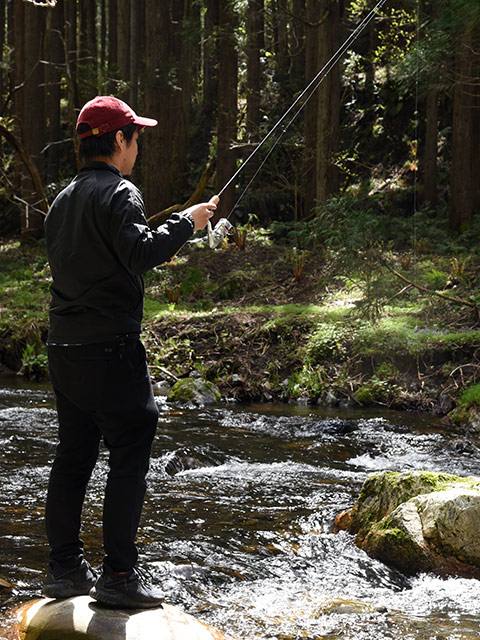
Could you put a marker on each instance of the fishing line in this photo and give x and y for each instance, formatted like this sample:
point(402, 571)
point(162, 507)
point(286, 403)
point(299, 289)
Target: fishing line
point(311, 87)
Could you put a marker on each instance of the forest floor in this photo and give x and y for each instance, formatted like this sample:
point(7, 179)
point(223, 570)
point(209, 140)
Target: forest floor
point(266, 323)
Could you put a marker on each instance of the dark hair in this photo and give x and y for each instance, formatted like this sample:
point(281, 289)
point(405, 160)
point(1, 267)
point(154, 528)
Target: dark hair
point(102, 146)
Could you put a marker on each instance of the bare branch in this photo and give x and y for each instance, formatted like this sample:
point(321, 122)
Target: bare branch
point(42, 3)
point(468, 303)
point(53, 144)
point(29, 163)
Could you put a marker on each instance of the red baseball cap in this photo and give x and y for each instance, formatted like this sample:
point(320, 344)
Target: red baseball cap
point(106, 113)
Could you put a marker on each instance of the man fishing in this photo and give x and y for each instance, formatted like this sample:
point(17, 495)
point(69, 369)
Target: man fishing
point(99, 244)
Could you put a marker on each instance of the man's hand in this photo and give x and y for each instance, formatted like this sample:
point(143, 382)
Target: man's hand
point(201, 213)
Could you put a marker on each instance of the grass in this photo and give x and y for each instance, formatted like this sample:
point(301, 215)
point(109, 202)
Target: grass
point(470, 396)
point(408, 334)
point(232, 312)
point(24, 289)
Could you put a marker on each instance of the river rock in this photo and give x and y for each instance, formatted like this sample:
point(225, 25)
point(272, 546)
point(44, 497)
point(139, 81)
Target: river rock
point(161, 388)
point(180, 461)
point(5, 583)
point(345, 607)
point(196, 391)
point(419, 521)
point(466, 420)
point(383, 492)
point(82, 617)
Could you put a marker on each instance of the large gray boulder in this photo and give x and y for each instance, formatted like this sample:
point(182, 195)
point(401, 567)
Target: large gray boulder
point(419, 521)
point(82, 617)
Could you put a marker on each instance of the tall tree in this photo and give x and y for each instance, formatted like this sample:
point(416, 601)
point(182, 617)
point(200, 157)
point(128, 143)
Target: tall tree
point(254, 29)
point(136, 48)
point(461, 178)
point(34, 135)
point(430, 158)
point(297, 47)
point(328, 107)
point(322, 111)
point(168, 91)
point(476, 119)
point(210, 67)
point(181, 75)
point(112, 55)
point(227, 104)
point(188, 36)
point(103, 38)
point(34, 94)
point(157, 149)
point(281, 44)
point(254, 71)
point(19, 63)
point(71, 51)
point(123, 46)
point(3, 33)
point(55, 55)
point(87, 77)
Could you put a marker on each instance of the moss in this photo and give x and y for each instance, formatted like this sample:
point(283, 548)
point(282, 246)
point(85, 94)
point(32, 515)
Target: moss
point(396, 548)
point(189, 389)
point(470, 396)
point(377, 390)
point(182, 390)
point(389, 531)
point(436, 480)
point(209, 386)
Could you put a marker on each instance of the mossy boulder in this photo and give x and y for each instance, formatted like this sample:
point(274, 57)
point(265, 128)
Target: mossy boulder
point(419, 521)
point(466, 419)
point(195, 391)
point(384, 492)
point(466, 416)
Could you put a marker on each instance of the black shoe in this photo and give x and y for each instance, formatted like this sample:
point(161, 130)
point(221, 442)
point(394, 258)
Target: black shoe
point(70, 583)
point(128, 591)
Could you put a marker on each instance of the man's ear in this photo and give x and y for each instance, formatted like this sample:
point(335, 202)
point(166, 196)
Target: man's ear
point(119, 140)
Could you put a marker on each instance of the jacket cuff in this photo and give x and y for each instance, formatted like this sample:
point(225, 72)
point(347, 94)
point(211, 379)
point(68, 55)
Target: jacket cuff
point(189, 217)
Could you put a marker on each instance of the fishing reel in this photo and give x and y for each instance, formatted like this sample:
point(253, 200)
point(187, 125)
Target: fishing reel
point(219, 232)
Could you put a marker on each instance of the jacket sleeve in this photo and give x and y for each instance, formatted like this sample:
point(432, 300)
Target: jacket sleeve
point(138, 247)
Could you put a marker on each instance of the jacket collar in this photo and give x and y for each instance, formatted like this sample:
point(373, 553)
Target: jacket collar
point(96, 165)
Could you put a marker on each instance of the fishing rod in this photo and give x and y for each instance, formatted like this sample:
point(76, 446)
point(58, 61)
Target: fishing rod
point(224, 226)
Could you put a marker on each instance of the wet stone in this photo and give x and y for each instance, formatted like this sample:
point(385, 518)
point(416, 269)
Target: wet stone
point(345, 607)
point(195, 391)
point(418, 522)
point(82, 617)
point(161, 388)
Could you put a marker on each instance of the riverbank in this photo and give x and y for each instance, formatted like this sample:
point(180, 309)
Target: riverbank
point(265, 322)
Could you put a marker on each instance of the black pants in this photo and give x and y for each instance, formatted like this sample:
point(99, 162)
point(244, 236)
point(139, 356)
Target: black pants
point(104, 391)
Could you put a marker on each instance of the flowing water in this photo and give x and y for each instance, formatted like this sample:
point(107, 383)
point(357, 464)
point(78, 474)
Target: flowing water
point(240, 536)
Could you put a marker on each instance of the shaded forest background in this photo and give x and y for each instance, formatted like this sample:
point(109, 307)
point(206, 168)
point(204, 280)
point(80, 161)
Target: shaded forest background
point(395, 127)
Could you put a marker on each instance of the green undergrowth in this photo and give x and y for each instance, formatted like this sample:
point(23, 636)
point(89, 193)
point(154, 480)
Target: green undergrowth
point(470, 396)
point(24, 299)
point(262, 324)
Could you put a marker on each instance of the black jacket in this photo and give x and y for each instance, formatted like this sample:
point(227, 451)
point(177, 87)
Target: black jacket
point(99, 244)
